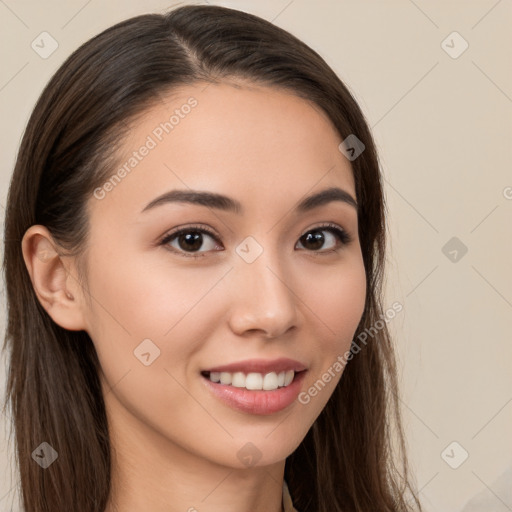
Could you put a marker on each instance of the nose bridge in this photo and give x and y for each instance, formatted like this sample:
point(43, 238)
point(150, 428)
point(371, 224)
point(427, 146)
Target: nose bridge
point(265, 300)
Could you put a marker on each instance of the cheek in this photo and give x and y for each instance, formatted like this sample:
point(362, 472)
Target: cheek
point(337, 302)
point(141, 299)
point(336, 299)
point(148, 320)
point(147, 296)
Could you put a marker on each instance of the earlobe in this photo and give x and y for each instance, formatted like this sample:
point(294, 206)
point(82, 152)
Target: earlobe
point(58, 291)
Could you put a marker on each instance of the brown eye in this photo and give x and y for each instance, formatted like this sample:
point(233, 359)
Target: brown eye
point(315, 239)
point(188, 241)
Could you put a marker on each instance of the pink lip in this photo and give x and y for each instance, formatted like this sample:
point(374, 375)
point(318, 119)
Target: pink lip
point(257, 401)
point(264, 366)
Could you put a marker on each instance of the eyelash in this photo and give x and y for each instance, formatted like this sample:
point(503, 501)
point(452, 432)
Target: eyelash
point(343, 237)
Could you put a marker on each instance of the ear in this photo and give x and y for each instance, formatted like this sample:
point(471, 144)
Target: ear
point(58, 290)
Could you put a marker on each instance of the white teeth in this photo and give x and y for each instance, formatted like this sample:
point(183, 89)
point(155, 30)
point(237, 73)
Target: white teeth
point(215, 376)
point(238, 380)
point(270, 381)
point(254, 381)
point(225, 377)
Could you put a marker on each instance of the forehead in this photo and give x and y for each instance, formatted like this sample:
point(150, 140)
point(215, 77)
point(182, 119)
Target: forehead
point(250, 142)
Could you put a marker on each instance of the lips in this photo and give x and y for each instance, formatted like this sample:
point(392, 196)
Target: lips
point(263, 366)
point(252, 401)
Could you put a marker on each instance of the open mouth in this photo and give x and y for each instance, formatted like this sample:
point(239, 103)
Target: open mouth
point(253, 381)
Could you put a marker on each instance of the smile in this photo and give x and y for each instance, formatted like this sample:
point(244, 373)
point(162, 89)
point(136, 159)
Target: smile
point(252, 381)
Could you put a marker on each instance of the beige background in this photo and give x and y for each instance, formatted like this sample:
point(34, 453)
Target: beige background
point(443, 126)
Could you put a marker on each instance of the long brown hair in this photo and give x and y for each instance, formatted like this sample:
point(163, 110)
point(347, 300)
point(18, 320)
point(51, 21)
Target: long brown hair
point(345, 463)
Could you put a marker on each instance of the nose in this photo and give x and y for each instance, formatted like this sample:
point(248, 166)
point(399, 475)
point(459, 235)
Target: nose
point(263, 298)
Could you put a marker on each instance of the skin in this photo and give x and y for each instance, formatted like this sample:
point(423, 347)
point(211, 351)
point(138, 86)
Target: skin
point(175, 444)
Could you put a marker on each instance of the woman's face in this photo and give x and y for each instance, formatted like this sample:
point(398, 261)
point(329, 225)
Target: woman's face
point(269, 281)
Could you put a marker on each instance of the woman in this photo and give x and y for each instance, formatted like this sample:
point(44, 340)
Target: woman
point(194, 248)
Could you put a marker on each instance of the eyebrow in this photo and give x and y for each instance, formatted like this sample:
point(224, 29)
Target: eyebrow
point(225, 203)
